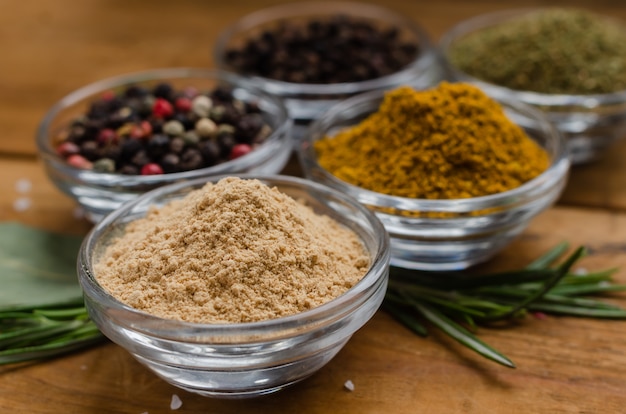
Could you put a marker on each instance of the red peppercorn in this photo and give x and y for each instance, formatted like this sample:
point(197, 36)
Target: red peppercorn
point(162, 108)
point(107, 136)
point(147, 128)
point(137, 132)
point(79, 161)
point(67, 148)
point(183, 104)
point(239, 150)
point(107, 95)
point(151, 169)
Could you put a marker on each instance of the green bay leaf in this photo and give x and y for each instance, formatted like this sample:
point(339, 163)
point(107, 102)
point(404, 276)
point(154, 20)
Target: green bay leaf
point(37, 267)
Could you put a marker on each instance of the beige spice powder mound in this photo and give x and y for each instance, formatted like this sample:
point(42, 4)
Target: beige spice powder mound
point(235, 251)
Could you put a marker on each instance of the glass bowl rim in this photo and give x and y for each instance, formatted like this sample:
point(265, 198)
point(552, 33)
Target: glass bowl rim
point(172, 73)
point(374, 276)
point(558, 168)
point(481, 21)
point(427, 52)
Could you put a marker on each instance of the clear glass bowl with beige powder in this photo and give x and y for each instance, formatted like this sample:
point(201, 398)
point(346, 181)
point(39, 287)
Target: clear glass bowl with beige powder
point(235, 360)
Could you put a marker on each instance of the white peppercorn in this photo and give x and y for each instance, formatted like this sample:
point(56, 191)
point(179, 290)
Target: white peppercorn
point(225, 129)
point(205, 128)
point(191, 138)
point(201, 105)
point(104, 165)
point(173, 128)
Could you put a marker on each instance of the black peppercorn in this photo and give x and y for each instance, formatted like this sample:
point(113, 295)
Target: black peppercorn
point(98, 109)
point(90, 150)
point(226, 142)
point(158, 145)
point(177, 145)
point(112, 152)
point(222, 94)
point(76, 134)
point(129, 169)
point(170, 163)
point(191, 159)
point(92, 128)
point(141, 158)
point(186, 120)
point(247, 128)
point(129, 147)
point(210, 151)
point(333, 50)
point(163, 90)
point(134, 91)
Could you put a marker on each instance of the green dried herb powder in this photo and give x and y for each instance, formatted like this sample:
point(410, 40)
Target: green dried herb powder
point(555, 51)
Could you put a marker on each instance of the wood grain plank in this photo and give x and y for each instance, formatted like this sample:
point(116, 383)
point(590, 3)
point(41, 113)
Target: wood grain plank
point(52, 48)
point(565, 365)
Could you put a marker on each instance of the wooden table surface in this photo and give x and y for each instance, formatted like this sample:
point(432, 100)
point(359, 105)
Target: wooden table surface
point(564, 365)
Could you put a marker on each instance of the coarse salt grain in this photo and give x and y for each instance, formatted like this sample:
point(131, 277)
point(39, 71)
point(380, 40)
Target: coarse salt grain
point(22, 204)
point(176, 402)
point(581, 271)
point(349, 385)
point(78, 213)
point(23, 185)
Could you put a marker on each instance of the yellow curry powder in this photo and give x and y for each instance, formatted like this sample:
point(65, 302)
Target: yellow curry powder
point(452, 141)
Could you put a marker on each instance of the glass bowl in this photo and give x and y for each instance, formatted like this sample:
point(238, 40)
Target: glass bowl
point(590, 123)
point(99, 193)
point(305, 101)
point(451, 234)
point(245, 359)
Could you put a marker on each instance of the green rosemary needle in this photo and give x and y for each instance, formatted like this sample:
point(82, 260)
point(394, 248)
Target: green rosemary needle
point(31, 333)
point(453, 301)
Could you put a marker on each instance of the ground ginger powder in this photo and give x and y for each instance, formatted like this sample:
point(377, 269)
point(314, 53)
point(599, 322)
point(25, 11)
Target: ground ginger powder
point(235, 251)
point(449, 142)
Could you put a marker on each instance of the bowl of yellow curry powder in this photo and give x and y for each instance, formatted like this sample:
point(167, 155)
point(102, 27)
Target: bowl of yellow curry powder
point(453, 174)
point(568, 62)
point(235, 286)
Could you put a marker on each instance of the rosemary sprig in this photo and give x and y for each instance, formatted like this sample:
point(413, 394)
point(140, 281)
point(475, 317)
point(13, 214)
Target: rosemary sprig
point(31, 333)
point(453, 301)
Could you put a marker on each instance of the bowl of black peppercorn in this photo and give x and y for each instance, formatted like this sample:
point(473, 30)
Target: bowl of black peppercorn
point(315, 54)
point(110, 141)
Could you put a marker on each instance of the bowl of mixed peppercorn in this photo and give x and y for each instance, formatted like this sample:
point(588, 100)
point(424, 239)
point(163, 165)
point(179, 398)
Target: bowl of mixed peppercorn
point(314, 54)
point(108, 142)
point(569, 63)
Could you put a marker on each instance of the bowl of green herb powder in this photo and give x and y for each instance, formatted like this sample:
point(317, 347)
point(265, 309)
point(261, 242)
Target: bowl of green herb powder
point(570, 63)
